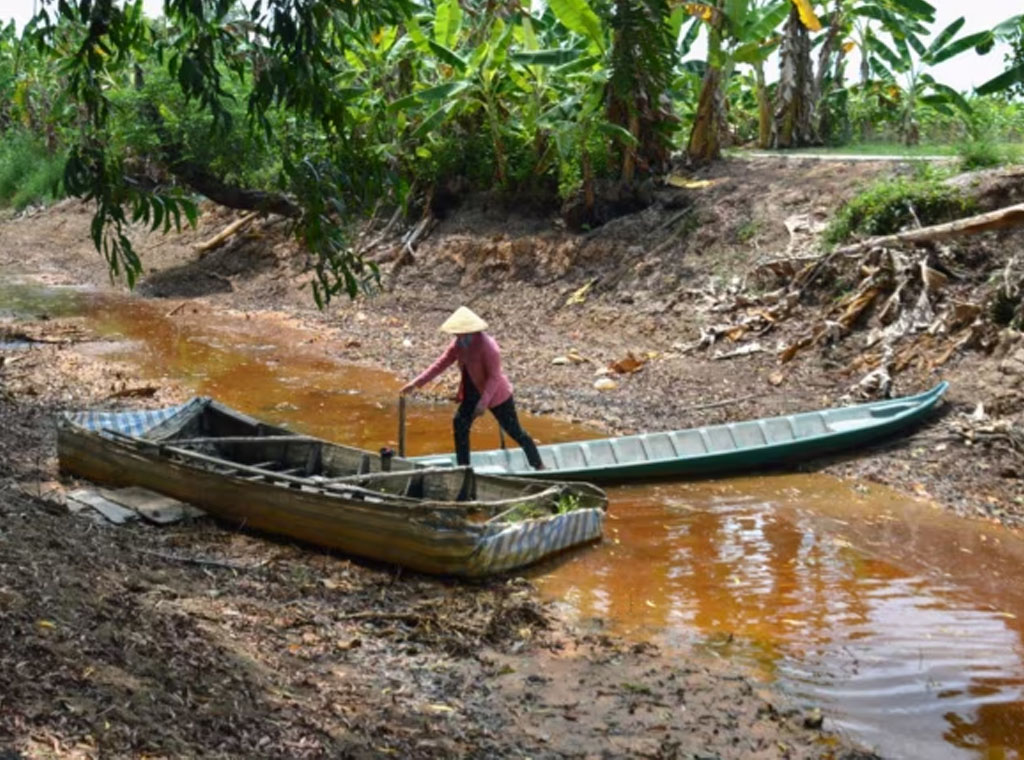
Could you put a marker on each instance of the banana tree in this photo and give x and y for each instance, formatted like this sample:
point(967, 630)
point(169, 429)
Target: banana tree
point(793, 123)
point(739, 31)
point(475, 86)
point(865, 20)
point(905, 64)
point(759, 40)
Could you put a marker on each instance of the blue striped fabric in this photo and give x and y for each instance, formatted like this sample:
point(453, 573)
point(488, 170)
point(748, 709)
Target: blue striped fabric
point(133, 423)
point(508, 545)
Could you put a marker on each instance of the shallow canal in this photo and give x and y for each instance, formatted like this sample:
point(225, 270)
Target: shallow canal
point(903, 623)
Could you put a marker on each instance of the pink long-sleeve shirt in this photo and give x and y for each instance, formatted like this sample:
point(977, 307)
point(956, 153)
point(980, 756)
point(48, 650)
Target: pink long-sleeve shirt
point(481, 361)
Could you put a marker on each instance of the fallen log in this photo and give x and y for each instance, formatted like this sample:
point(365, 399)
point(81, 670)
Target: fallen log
point(1003, 218)
point(225, 233)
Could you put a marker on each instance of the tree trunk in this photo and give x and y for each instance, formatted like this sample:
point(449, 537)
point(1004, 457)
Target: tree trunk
point(764, 109)
point(793, 125)
point(705, 144)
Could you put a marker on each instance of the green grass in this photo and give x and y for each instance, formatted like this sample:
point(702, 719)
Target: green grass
point(29, 174)
point(891, 204)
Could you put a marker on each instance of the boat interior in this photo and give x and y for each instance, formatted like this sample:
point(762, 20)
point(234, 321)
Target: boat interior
point(238, 445)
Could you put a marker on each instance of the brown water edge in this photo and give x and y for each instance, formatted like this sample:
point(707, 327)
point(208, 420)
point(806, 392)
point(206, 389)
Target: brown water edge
point(899, 618)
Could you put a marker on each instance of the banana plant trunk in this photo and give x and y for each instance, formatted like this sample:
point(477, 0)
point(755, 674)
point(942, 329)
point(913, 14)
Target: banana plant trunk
point(764, 108)
point(705, 143)
point(793, 124)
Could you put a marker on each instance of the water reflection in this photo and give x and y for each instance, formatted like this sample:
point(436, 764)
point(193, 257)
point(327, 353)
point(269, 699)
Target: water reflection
point(901, 621)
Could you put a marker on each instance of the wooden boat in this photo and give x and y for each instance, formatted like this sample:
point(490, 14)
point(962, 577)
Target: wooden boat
point(713, 450)
point(372, 505)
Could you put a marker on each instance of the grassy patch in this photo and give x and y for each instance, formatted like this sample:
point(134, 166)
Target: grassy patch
point(889, 205)
point(29, 173)
point(982, 153)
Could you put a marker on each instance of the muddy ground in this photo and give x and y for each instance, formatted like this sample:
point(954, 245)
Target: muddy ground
point(122, 645)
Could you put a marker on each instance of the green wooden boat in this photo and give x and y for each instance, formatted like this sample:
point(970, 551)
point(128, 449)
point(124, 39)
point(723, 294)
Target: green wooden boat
point(712, 450)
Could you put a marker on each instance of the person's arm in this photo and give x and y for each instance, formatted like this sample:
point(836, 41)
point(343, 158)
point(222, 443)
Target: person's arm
point(447, 357)
point(492, 366)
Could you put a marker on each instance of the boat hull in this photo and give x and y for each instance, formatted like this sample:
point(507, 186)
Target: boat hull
point(715, 450)
point(410, 534)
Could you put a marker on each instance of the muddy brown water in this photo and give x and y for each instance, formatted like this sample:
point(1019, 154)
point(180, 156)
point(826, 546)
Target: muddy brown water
point(903, 623)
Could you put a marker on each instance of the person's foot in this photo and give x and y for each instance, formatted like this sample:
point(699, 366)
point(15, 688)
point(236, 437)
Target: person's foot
point(540, 468)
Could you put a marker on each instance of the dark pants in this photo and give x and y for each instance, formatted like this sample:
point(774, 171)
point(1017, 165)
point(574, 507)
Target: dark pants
point(505, 413)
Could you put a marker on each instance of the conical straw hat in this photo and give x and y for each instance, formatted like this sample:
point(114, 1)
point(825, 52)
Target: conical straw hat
point(463, 320)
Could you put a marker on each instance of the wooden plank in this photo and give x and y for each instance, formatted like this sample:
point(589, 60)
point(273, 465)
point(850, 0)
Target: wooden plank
point(153, 506)
point(242, 440)
point(118, 514)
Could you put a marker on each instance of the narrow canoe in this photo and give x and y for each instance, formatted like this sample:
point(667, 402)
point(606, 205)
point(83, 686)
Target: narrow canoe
point(254, 474)
point(713, 450)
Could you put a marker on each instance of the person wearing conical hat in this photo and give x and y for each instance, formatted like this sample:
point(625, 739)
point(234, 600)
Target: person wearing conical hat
point(483, 386)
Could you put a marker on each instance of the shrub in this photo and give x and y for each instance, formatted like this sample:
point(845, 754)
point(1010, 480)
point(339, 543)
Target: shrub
point(889, 205)
point(29, 173)
point(984, 153)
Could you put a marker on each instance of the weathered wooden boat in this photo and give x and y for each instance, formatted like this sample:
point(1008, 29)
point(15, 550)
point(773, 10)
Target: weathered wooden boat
point(713, 450)
point(266, 477)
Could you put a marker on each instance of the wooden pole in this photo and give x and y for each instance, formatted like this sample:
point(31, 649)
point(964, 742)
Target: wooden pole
point(401, 426)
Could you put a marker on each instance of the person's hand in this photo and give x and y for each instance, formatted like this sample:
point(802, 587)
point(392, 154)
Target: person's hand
point(480, 411)
point(407, 388)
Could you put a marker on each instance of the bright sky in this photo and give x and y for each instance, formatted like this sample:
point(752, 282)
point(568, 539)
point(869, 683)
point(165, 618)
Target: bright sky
point(963, 72)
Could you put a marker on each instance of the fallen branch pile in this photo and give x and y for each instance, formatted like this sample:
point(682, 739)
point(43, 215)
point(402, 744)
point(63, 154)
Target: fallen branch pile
point(909, 294)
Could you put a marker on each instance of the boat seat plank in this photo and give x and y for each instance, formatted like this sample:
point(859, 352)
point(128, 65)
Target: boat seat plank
point(586, 455)
point(702, 433)
point(644, 447)
point(612, 443)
